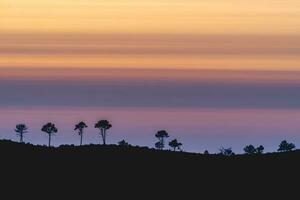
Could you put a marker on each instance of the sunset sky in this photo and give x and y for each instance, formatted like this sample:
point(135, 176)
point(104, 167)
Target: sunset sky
point(211, 72)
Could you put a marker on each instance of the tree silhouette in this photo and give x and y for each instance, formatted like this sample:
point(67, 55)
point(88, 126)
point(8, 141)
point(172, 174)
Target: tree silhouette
point(123, 143)
point(21, 129)
point(284, 146)
point(250, 149)
point(80, 127)
point(175, 144)
point(206, 152)
point(161, 135)
point(226, 152)
point(103, 126)
point(260, 149)
point(159, 145)
point(50, 129)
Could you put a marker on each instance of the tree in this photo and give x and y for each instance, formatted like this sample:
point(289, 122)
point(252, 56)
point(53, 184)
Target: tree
point(161, 135)
point(284, 146)
point(260, 149)
point(123, 143)
point(226, 151)
point(250, 149)
point(50, 129)
point(80, 127)
point(206, 152)
point(103, 126)
point(175, 144)
point(21, 129)
point(159, 145)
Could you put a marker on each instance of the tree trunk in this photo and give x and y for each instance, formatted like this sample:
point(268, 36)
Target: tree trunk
point(81, 138)
point(104, 137)
point(101, 135)
point(49, 141)
point(21, 137)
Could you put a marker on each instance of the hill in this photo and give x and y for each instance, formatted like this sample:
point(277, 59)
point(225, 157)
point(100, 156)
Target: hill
point(120, 166)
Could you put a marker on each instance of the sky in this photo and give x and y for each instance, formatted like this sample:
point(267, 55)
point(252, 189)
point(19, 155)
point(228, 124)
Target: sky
point(212, 72)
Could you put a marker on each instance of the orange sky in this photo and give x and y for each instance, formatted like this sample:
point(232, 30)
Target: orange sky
point(226, 69)
point(154, 51)
point(160, 34)
point(155, 16)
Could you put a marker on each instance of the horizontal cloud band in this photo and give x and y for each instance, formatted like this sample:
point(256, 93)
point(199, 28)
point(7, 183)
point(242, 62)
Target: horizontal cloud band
point(157, 93)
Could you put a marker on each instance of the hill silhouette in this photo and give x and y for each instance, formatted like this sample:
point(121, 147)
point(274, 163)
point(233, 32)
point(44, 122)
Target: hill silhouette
point(129, 166)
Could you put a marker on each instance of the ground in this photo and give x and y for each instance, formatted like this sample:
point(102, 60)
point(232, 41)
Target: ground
point(121, 167)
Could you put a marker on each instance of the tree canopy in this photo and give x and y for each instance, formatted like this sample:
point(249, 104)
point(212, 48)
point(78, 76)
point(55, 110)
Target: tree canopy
point(285, 146)
point(175, 144)
point(250, 149)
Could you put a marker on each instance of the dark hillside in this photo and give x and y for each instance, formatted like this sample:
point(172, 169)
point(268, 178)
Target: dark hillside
point(117, 165)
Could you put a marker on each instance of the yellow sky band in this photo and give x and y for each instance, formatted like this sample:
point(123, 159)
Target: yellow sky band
point(155, 16)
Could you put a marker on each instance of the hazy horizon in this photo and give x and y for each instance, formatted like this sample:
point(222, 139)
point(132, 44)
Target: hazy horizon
point(205, 109)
